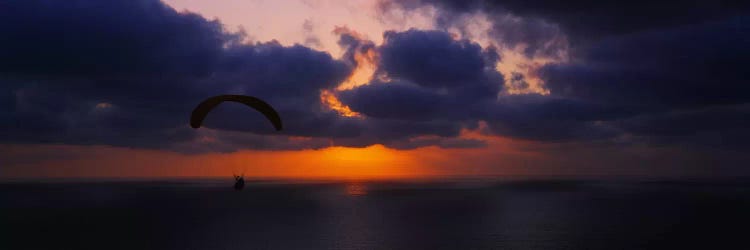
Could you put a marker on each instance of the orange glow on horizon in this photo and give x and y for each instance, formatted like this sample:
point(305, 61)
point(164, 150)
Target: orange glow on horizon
point(503, 157)
point(500, 157)
point(373, 162)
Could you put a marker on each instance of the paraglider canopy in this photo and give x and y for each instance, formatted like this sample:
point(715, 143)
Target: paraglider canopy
point(200, 111)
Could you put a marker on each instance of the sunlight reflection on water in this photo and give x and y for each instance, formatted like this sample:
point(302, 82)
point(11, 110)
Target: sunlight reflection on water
point(356, 189)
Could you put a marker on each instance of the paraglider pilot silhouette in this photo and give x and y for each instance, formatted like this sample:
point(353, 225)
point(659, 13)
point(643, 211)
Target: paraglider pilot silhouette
point(239, 182)
point(200, 112)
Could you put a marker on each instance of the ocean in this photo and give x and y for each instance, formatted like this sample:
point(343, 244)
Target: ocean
point(404, 214)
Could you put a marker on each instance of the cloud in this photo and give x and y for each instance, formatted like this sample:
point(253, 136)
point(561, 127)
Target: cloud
point(534, 36)
point(439, 142)
point(310, 39)
point(127, 73)
point(354, 44)
point(394, 100)
point(432, 77)
point(635, 87)
point(680, 67)
point(550, 119)
point(432, 59)
point(580, 20)
point(427, 84)
point(149, 64)
point(681, 85)
point(106, 38)
point(679, 82)
point(718, 127)
point(436, 78)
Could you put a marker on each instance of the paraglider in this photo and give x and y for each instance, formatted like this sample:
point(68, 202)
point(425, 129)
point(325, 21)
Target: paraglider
point(239, 182)
point(200, 112)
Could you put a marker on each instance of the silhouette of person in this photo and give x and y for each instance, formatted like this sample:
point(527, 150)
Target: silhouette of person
point(240, 182)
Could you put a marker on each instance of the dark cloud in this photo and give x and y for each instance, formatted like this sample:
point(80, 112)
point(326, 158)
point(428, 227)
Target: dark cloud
point(409, 134)
point(682, 67)
point(536, 36)
point(582, 20)
point(586, 19)
point(394, 100)
point(684, 85)
point(686, 122)
point(674, 85)
point(440, 142)
point(437, 86)
point(425, 93)
point(105, 38)
point(290, 78)
point(681, 85)
point(433, 77)
point(629, 59)
point(209, 140)
point(127, 73)
point(433, 59)
point(722, 127)
point(518, 81)
point(546, 118)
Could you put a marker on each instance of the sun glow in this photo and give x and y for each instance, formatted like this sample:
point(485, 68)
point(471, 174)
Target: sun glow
point(373, 162)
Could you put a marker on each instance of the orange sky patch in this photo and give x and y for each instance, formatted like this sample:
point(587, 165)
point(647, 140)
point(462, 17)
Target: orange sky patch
point(502, 158)
point(329, 100)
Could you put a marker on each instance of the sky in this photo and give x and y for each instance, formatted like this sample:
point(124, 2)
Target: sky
point(375, 88)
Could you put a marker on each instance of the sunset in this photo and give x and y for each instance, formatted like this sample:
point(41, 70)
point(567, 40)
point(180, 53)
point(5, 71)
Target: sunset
point(357, 115)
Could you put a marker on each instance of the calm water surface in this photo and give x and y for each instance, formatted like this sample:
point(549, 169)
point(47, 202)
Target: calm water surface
point(451, 214)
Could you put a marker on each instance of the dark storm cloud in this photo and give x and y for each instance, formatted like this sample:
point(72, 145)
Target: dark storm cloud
point(140, 37)
point(676, 81)
point(289, 78)
point(62, 59)
point(410, 134)
point(127, 73)
point(685, 122)
point(581, 20)
point(682, 67)
point(437, 86)
point(423, 66)
point(432, 59)
point(723, 127)
point(683, 81)
point(518, 81)
point(678, 85)
point(394, 100)
point(539, 37)
point(230, 141)
point(434, 77)
point(440, 142)
point(549, 118)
